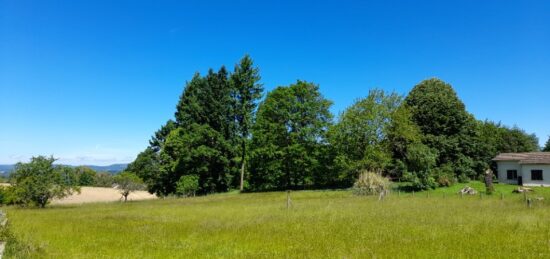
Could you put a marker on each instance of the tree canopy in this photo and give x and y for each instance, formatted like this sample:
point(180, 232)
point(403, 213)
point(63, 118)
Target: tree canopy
point(224, 136)
point(39, 181)
point(288, 136)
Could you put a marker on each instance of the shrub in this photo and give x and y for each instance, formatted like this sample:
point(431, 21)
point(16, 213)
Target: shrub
point(445, 176)
point(7, 195)
point(422, 180)
point(370, 183)
point(187, 185)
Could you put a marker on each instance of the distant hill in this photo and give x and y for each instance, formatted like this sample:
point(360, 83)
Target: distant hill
point(114, 168)
point(4, 169)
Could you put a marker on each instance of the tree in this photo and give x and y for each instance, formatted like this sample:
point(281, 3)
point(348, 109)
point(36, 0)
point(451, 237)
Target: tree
point(156, 142)
point(246, 93)
point(199, 151)
point(362, 135)
point(289, 133)
point(39, 181)
point(547, 146)
point(147, 166)
point(127, 183)
point(85, 175)
point(443, 121)
point(103, 179)
point(204, 142)
point(187, 185)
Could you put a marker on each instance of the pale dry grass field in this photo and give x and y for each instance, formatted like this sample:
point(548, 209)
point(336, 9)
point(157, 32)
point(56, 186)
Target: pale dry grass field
point(102, 194)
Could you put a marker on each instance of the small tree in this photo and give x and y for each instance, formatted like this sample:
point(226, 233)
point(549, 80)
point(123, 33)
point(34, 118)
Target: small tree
point(187, 185)
point(128, 182)
point(37, 182)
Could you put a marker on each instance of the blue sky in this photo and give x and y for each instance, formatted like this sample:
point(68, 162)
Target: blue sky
point(90, 81)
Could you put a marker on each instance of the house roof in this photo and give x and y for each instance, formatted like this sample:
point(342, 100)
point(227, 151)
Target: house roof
point(525, 158)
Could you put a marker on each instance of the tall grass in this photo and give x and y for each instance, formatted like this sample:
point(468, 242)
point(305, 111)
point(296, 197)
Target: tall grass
point(321, 224)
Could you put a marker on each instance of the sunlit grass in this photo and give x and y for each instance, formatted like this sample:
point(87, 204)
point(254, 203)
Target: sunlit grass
point(321, 224)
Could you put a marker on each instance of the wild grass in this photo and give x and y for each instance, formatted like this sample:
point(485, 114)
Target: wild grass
point(320, 224)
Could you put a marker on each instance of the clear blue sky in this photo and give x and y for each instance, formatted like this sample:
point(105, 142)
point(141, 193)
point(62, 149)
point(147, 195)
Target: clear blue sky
point(90, 81)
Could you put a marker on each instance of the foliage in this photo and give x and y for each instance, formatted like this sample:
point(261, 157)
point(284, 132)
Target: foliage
point(246, 92)
point(7, 195)
point(288, 141)
point(187, 185)
point(103, 179)
point(37, 182)
point(85, 175)
point(441, 116)
point(547, 146)
point(127, 183)
point(147, 163)
point(361, 136)
point(370, 183)
point(199, 151)
point(288, 136)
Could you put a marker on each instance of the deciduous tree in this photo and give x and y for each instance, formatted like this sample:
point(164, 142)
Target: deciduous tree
point(290, 128)
point(39, 181)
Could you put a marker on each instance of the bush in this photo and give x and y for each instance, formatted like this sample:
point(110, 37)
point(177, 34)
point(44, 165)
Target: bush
point(187, 185)
point(7, 195)
point(370, 183)
point(445, 176)
point(422, 180)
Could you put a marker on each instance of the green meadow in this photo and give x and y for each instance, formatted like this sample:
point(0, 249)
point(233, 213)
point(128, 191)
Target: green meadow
point(319, 224)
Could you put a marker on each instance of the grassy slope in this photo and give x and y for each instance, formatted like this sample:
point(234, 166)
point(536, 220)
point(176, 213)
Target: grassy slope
point(321, 224)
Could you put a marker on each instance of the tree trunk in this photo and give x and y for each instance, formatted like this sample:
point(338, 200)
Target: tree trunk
point(125, 197)
point(243, 164)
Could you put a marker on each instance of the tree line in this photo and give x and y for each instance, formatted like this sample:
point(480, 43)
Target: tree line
point(39, 181)
point(225, 136)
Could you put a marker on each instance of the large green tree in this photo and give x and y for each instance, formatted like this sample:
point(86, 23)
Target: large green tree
point(445, 124)
point(288, 136)
point(39, 181)
point(361, 135)
point(246, 92)
point(203, 144)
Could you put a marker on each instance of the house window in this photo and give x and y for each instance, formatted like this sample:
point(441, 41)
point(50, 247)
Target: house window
point(512, 174)
point(536, 175)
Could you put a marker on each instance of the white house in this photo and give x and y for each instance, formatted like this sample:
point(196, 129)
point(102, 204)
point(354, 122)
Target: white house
point(528, 169)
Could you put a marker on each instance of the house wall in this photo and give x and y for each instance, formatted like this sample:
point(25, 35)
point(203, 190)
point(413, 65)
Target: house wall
point(526, 172)
point(504, 166)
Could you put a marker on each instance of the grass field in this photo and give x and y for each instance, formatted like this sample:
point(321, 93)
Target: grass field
point(320, 224)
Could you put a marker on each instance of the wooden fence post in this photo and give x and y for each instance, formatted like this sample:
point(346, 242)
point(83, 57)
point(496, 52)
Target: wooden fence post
point(288, 201)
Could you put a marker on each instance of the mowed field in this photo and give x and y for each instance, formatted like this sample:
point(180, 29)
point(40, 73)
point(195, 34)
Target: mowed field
point(320, 224)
